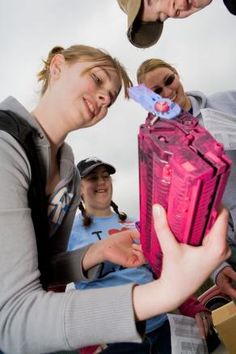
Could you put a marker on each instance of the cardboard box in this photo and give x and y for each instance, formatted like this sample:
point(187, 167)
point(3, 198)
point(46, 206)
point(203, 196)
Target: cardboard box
point(224, 320)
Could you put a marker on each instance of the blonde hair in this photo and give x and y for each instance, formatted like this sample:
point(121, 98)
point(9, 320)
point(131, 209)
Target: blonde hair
point(150, 65)
point(84, 53)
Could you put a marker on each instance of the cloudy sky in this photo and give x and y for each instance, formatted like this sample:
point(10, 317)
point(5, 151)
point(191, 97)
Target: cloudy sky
point(202, 48)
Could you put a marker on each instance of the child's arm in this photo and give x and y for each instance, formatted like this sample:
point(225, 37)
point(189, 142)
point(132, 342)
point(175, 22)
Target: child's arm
point(119, 248)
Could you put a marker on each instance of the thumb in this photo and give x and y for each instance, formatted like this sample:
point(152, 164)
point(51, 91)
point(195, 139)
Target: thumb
point(135, 235)
point(216, 238)
point(165, 236)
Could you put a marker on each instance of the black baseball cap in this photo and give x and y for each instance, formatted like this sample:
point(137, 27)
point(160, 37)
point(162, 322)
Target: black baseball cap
point(88, 165)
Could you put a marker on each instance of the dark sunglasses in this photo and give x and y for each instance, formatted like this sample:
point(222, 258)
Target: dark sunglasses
point(167, 82)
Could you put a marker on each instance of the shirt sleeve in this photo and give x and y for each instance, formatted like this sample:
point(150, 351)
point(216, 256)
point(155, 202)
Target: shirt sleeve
point(33, 321)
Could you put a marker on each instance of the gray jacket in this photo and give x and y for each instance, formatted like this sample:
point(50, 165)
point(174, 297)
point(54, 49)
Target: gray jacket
point(223, 103)
point(31, 320)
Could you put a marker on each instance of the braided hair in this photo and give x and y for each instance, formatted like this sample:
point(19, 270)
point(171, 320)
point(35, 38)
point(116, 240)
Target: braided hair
point(87, 220)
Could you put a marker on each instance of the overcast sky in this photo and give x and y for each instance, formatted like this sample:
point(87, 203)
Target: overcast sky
point(202, 48)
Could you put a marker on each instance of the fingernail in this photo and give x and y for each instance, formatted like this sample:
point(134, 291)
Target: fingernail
point(157, 210)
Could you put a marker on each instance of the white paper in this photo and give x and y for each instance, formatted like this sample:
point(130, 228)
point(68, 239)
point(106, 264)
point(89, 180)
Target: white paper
point(185, 336)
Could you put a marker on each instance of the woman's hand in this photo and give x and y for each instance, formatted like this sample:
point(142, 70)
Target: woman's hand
point(120, 248)
point(189, 265)
point(226, 281)
point(184, 267)
point(204, 323)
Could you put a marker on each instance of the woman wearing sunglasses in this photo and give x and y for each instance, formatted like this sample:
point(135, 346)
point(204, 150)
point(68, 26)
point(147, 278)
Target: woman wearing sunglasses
point(163, 78)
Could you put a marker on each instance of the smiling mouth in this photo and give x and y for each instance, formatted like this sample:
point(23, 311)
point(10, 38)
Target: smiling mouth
point(173, 97)
point(191, 3)
point(101, 191)
point(90, 106)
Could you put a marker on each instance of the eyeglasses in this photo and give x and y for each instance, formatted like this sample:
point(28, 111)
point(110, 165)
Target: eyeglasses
point(167, 82)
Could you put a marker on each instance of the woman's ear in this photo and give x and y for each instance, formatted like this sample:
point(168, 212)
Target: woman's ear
point(56, 65)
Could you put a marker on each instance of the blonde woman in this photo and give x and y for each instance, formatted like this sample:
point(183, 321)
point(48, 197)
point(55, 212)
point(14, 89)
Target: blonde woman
point(79, 84)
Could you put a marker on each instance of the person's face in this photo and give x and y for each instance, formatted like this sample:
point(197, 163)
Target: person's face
point(82, 94)
point(153, 10)
point(166, 83)
point(96, 190)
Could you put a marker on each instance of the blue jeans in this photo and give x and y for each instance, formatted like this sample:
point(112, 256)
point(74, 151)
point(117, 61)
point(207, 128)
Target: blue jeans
point(156, 342)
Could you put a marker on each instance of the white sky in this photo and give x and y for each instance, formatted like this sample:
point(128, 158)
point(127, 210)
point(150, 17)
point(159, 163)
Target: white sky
point(202, 48)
